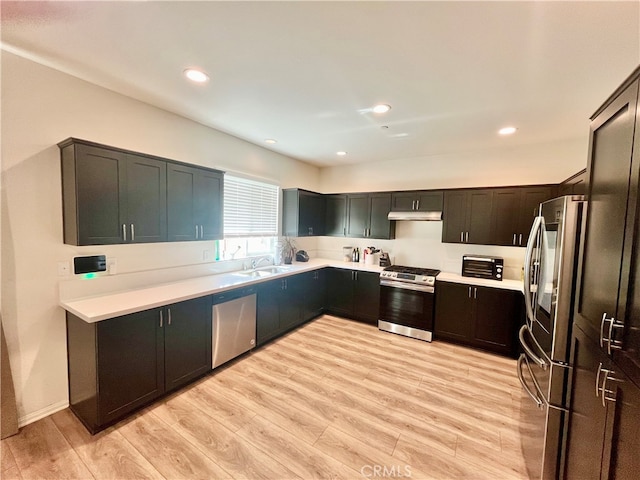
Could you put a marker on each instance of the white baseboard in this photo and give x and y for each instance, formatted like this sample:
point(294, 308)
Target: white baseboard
point(43, 412)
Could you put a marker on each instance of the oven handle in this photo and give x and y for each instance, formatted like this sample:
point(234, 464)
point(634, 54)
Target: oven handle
point(406, 286)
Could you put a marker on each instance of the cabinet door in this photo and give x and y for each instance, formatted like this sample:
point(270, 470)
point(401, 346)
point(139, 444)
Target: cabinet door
point(403, 201)
point(429, 201)
point(313, 292)
point(99, 179)
point(181, 209)
point(146, 193)
point(604, 270)
point(454, 224)
point(336, 212)
point(290, 302)
point(453, 319)
point(268, 311)
point(340, 294)
point(208, 202)
point(588, 417)
point(130, 363)
point(506, 216)
point(530, 201)
point(498, 314)
point(367, 297)
point(187, 341)
point(312, 213)
point(479, 217)
point(625, 448)
point(357, 215)
point(379, 224)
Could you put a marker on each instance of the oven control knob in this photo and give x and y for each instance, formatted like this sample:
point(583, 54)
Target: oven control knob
point(498, 275)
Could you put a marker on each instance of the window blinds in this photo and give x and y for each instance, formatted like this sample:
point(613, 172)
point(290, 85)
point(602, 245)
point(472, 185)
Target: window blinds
point(250, 208)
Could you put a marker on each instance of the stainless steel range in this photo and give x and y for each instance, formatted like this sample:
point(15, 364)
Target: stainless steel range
point(407, 301)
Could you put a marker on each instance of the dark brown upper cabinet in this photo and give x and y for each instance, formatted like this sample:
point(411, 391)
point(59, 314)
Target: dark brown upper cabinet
point(417, 201)
point(113, 196)
point(574, 185)
point(514, 210)
point(303, 213)
point(467, 216)
point(367, 216)
point(192, 196)
point(336, 215)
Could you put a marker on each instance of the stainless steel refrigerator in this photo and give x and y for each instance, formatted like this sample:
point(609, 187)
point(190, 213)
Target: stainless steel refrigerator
point(543, 368)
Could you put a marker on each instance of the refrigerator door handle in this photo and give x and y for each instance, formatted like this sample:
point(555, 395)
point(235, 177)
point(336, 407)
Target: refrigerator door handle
point(535, 398)
point(538, 360)
point(528, 302)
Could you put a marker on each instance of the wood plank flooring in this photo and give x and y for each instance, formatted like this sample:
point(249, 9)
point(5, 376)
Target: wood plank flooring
point(333, 399)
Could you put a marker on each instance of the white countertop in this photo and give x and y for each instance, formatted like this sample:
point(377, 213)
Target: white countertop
point(102, 307)
point(481, 282)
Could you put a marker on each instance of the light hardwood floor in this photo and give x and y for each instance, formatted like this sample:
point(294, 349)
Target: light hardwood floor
point(333, 399)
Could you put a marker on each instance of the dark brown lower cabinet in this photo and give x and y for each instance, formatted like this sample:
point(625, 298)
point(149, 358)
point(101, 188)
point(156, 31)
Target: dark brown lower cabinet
point(604, 418)
point(482, 317)
point(354, 294)
point(286, 303)
point(118, 365)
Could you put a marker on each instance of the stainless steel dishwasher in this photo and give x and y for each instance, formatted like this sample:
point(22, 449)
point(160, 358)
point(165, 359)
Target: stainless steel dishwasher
point(233, 324)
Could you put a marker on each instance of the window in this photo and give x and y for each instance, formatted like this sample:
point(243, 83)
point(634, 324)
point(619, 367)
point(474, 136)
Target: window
point(250, 218)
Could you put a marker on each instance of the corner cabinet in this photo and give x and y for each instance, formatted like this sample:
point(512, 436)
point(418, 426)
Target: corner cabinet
point(483, 317)
point(354, 294)
point(335, 215)
point(286, 303)
point(367, 216)
point(303, 213)
point(115, 196)
point(118, 365)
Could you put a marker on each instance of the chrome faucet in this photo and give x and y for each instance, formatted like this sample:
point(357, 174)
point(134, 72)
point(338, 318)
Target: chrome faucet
point(255, 263)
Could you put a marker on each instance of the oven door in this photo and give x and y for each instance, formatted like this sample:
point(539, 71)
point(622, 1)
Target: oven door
point(407, 305)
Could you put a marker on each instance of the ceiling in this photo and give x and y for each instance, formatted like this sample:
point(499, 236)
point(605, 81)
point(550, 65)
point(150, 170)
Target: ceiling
point(307, 73)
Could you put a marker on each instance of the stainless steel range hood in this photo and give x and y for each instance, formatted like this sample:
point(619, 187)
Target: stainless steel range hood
point(431, 216)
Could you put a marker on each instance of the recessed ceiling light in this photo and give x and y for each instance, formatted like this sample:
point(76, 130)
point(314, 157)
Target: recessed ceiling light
point(197, 76)
point(507, 130)
point(381, 108)
point(270, 141)
point(341, 154)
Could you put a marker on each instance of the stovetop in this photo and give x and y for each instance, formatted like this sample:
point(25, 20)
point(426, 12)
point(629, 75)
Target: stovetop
point(422, 276)
point(431, 272)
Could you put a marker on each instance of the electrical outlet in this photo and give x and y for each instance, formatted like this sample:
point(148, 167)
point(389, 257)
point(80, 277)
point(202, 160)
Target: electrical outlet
point(113, 266)
point(64, 268)
point(206, 255)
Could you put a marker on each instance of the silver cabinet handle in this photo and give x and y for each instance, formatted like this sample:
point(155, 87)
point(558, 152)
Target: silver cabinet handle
point(466, 237)
point(201, 232)
point(168, 316)
point(520, 240)
point(461, 237)
point(611, 343)
point(514, 239)
point(413, 205)
point(475, 292)
point(601, 390)
point(344, 231)
point(124, 232)
point(469, 292)
point(160, 318)
point(417, 204)
point(196, 232)
point(133, 233)
point(604, 319)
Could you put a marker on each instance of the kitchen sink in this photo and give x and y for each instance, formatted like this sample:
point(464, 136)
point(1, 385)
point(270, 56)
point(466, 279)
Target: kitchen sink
point(263, 272)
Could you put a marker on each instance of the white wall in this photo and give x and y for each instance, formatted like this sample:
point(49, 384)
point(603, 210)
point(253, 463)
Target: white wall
point(41, 107)
point(513, 165)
